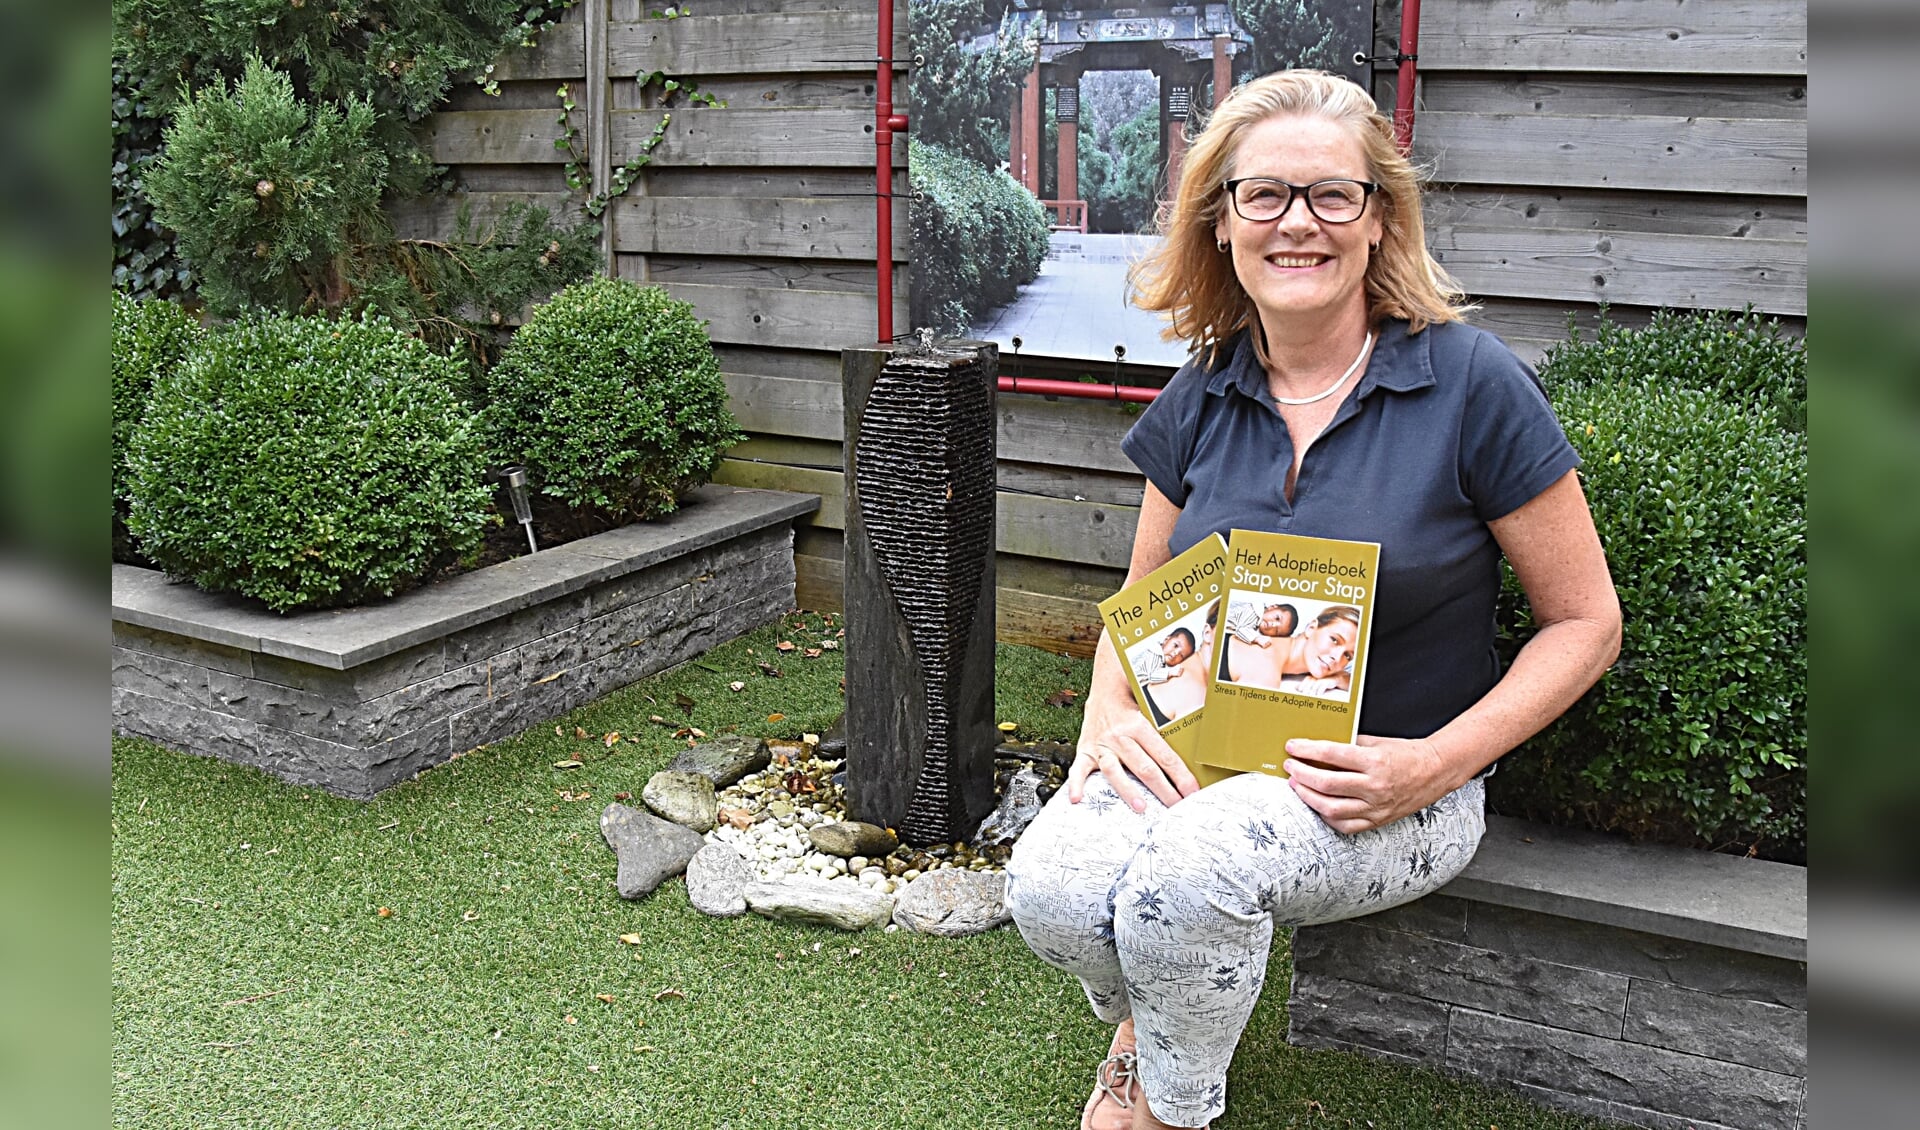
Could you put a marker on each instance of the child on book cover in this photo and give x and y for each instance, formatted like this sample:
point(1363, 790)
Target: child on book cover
point(1316, 660)
point(1172, 667)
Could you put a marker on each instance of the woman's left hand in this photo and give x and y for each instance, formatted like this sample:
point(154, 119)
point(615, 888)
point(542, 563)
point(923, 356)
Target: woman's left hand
point(1368, 784)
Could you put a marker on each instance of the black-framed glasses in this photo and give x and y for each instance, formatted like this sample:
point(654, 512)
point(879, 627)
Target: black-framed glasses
point(1338, 201)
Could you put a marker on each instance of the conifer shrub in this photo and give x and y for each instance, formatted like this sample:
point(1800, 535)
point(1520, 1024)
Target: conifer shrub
point(1698, 489)
point(611, 397)
point(307, 463)
point(149, 338)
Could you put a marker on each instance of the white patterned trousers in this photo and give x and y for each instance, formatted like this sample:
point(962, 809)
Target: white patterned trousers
point(1167, 915)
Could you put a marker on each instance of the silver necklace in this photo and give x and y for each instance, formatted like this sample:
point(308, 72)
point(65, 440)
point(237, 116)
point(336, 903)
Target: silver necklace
point(1329, 390)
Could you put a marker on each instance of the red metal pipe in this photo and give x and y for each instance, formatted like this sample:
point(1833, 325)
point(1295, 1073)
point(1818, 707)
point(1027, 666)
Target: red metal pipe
point(1078, 389)
point(1403, 85)
point(885, 124)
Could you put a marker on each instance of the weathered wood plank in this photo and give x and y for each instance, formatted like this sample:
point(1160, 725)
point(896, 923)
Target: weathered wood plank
point(1756, 156)
point(849, 276)
point(1031, 429)
point(692, 181)
point(1696, 36)
point(1523, 319)
point(509, 178)
point(1669, 95)
point(749, 92)
point(1523, 208)
point(711, 136)
point(1647, 270)
point(559, 52)
point(752, 43)
point(791, 319)
point(820, 454)
point(821, 227)
point(828, 485)
point(538, 94)
point(495, 137)
point(438, 217)
point(1074, 483)
point(1061, 624)
point(1030, 525)
point(798, 364)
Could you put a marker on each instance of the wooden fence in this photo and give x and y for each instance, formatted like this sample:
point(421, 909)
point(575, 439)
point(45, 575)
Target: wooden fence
point(1636, 152)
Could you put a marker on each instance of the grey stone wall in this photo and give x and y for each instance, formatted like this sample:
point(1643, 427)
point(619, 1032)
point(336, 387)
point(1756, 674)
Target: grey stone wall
point(1650, 1029)
point(356, 728)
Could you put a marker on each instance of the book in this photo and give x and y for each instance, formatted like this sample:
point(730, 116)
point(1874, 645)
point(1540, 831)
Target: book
point(1290, 652)
point(1162, 628)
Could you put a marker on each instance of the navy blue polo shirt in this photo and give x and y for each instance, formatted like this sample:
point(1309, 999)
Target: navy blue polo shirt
point(1446, 431)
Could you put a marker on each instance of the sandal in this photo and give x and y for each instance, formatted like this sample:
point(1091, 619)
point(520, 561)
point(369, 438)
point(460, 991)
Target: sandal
point(1113, 1083)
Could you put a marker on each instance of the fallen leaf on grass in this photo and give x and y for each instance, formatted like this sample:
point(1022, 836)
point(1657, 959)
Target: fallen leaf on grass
point(630, 939)
point(776, 716)
point(831, 645)
point(385, 912)
point(812, 653)
point(606, 997)
point(769, 670)
point(470, 916)
point(610, 739)
point(784, 645)
point(558, 733)
point(623, 796)
point(657, 720)
point(736, 685)
point(685, 704)
point(580, 732)
point(567, 764)
point(570, 1019)
point(664, 994)
point(1062, 698)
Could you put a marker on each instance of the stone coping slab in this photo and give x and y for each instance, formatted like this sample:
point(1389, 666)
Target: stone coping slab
point(1741, 904)
point(347, 637)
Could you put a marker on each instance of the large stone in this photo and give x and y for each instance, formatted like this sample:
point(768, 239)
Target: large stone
point(1326, 1012)
point(1750, 1032)
point(717, 878)
point(953, 903)
point(725, 760)
point(1018, 806)
point(849, 838)
point(844, 906)
point(685, 798)
point(650, 850)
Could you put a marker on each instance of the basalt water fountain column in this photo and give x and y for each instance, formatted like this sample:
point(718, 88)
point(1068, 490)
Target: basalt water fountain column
point(919, 584)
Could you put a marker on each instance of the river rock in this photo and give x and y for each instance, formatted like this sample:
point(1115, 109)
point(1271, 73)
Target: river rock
point(717, 879)
point(684, 797)
point(849, 838)
point(1018, 806)
point(844, 906)
point(724, 760)
point(650, 850)
point(953, 903)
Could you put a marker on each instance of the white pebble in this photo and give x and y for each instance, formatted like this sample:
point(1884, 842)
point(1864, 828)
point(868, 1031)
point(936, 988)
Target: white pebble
point(910, 874)
point(857, 863)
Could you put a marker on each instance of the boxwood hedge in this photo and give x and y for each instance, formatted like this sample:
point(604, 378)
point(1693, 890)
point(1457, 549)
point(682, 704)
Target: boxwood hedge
point(611, 397)
point(150, 337)
point(1697, 475)
point(306, 463)
point(978, 237)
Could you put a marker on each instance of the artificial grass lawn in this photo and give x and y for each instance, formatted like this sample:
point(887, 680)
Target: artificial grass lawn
point(255, 982)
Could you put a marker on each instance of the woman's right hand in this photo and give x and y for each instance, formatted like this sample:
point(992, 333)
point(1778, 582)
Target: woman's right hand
point(1116, 736)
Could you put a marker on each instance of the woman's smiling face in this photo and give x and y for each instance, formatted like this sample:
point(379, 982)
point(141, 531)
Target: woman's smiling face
point(1298, 266)
point(1330, 647)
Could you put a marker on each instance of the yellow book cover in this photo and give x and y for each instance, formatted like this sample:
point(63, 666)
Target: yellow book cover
point(1162, 628)
point(1290, 652)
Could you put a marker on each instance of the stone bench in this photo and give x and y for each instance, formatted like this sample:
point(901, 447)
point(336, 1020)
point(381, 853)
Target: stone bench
point(1650, 985)
point(354, 700)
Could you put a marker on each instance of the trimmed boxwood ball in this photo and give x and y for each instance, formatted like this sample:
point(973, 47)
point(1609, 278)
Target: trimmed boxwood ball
point(611, 397)
point(308, 463)
point(1699, 732)
point(149, 338)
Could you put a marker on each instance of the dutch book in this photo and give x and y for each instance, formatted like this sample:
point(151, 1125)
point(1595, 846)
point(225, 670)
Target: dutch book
point(1290, 650)
point(1162, 627)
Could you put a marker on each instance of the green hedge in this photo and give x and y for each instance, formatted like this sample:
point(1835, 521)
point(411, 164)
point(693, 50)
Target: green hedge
point(611, 397)
point(306, 463)
point(150, 338)
point(978, 237)
point(1696, 471)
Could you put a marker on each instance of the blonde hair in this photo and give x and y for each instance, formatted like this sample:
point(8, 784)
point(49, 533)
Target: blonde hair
point(1189, 277)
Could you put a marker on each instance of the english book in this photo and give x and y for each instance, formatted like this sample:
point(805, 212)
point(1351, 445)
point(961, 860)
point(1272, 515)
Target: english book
point(1290, 648)
point(1162, 627)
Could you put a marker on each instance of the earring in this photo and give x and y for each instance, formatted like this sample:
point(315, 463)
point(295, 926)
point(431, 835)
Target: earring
point(1373, 249)
point(1221, 244)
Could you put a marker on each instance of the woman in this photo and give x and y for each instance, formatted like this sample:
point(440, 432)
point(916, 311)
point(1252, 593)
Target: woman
point(1316, 661)
point(1334, 392)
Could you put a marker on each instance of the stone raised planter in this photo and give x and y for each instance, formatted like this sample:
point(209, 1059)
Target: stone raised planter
point(354, 700)
point(1653, 986)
